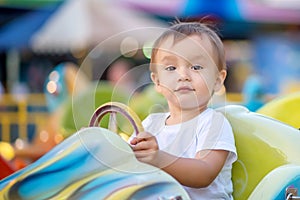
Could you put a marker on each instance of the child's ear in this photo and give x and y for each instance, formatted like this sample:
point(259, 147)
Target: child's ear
point(155, 80)
point(220, 80)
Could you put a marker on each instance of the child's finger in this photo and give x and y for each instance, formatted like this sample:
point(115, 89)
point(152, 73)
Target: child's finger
point(133, 141)
point(142, 136)
point(140, 146)
point(136, 140)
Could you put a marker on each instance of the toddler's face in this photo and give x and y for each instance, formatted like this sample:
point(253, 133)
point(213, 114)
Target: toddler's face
point(186, 72)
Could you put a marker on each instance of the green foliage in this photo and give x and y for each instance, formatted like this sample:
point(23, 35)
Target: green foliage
point(79, 109)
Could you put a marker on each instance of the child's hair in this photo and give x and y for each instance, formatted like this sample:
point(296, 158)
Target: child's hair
point(180, 30)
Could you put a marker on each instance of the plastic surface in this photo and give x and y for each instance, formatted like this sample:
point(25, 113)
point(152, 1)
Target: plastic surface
point(93, 163)
point(263, 145)
point(285, 109)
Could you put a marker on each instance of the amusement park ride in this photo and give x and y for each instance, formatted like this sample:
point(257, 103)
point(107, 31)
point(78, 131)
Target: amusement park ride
point(96, 163)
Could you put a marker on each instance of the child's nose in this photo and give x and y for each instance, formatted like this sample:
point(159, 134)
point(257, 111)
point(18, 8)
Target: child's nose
point(184, 74)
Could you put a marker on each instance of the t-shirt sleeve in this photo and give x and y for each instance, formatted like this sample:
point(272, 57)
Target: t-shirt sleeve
point(217, 135)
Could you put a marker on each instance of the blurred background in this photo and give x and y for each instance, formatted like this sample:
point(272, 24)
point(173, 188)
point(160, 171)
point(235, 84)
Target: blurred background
point(46, 44)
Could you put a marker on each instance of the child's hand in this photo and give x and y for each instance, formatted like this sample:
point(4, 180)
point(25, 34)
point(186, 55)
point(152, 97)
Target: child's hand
point(145, 147)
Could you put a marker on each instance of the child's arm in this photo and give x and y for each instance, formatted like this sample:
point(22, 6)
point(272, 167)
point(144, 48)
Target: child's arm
point(192, 172)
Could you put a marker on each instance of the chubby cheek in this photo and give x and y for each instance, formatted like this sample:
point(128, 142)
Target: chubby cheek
point(207, 82)
point(202, 95)
point(164, 89)
point(165, 81)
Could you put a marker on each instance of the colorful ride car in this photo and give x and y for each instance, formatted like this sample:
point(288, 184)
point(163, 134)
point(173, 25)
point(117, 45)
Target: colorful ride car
point(95, 163)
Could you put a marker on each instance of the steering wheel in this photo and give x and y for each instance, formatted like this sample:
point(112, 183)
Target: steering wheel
point(113, 108)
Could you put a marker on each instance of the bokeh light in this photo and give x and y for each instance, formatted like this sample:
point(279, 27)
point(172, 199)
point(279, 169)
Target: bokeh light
point(129, 47)
point(147, 48)
point(52, 87)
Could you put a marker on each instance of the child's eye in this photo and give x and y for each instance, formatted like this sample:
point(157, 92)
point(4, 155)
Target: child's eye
point(170, 68)
point(196, 67)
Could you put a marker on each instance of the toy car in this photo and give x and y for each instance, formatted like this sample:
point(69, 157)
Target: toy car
point(95, 163)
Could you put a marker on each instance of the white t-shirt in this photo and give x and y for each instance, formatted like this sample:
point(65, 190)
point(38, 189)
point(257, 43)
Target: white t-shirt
point(209, 130)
